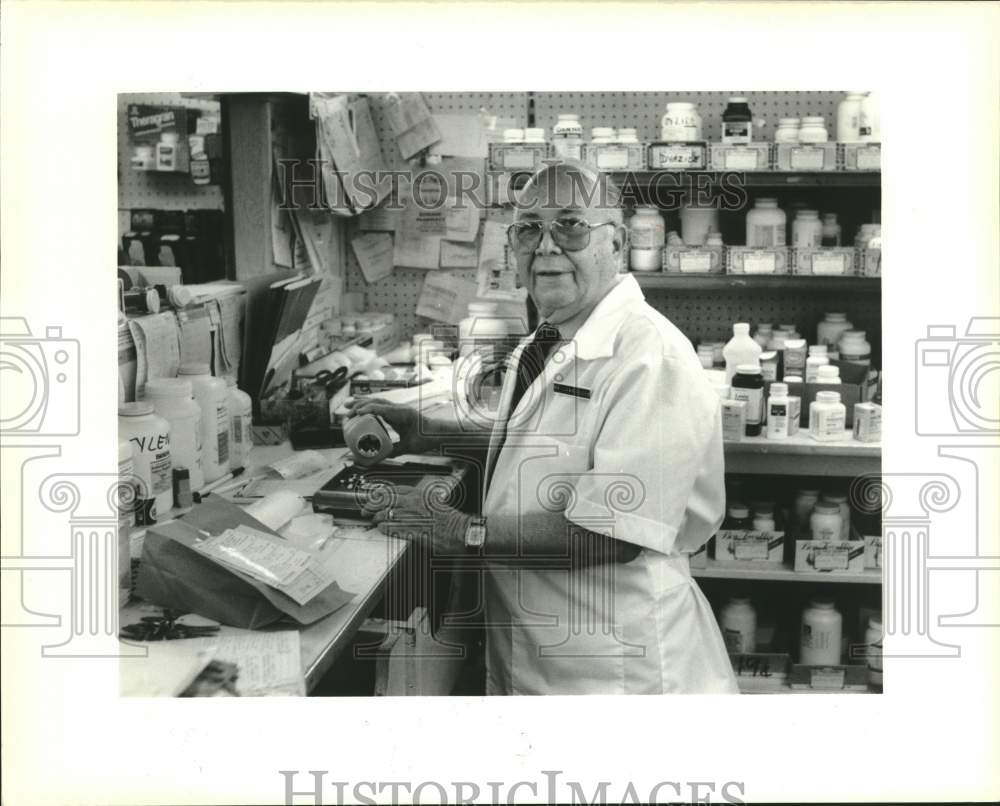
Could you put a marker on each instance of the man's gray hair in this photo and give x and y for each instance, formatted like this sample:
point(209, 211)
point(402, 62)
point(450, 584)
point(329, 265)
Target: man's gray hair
point(588, 186)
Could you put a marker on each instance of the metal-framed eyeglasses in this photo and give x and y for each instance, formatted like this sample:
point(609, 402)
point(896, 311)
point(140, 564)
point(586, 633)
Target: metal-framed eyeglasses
point(570, 234)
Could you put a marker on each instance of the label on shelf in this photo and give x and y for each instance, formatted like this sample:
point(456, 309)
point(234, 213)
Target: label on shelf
point(831, 559)
point(827, 678)
point(760, 263)
point(807, 158)
point(519, 158)
point(741, 159)
point(826, 263)
point(695, 262)
point(870, 158)
point(751, 547)
point(680, 156)
point(612, 158)
point(760, 664)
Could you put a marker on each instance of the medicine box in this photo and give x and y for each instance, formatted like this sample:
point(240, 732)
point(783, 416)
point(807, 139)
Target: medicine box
point(861, 156)
point(518, 156)
point(832, 261)
point(873, 551)
point(805, 156)
point(829, 556)
point(615, 156)
point(749, 547)
point(694, 259)
point(662, 156)
point(748, 157)
point(857, 385)
point(757, 260)
point(869, 262)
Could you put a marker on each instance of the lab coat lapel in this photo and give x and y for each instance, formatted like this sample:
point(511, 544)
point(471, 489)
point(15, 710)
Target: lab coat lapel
point(499, 432)
point(558, 367)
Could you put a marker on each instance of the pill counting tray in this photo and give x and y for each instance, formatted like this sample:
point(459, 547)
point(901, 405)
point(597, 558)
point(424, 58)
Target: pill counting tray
point(355, 486)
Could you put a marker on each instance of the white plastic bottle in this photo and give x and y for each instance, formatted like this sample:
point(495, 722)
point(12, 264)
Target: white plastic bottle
point(822, 628)
point(830, 230)
point(813, 363)
point(840, 501)
point(763, 518)
point(481, 331)
point(849, 117)
point(766, 224)
point(647, 235)
point(172, 399)
point(787, 131)
point(567, 136)
point(779, 413)
point(681, 123)
point(828, 331)
point(150, 437)
point(807, 230)
point(763, 335)
point(212, 398)
point(738, 623)
point(869, 124)
point(827, 417)
point(805, 501)
point(740, 349)
point(241, 419)
point(854, 348)
point(813, 130)
point(827, 373)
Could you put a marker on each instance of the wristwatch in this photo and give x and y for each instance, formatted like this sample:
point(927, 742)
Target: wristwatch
point(475, 533)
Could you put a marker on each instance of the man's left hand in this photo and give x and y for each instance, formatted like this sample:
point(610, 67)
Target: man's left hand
point(420, 514)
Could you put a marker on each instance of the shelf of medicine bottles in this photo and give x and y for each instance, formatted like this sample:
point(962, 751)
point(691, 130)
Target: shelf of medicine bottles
point(802, 455)
point(773, 179)
point(798, 282)
point(771, 573)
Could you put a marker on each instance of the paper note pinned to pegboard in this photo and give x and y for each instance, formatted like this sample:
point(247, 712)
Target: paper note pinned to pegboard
point(445, 297)
point(411, 122)
point(374, 253)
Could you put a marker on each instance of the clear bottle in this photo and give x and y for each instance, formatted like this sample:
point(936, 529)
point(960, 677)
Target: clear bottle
point(212, 397)
point(828, 331)
point(830, 230)
point(849, 117)
point(241, 418)
point(647, 235)
point(150, 437)
point(813, 130)
point(827, 417)
point(854, 348)
point(740, 349)
point(738, 623)
point(787, 131)
point(807, 230)
point(820, 638)
point(873, 644)
point(173, 401)
point(779, 412)
point(748, 386)
point(766, 224)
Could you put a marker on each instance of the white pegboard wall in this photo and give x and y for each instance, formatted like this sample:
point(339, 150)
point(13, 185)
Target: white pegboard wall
point(163, 191)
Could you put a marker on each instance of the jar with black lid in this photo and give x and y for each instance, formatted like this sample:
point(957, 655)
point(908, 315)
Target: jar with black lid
point(737, 122)
point(748, 386)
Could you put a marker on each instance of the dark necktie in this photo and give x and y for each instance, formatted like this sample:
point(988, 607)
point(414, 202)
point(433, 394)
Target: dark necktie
point(532, 360)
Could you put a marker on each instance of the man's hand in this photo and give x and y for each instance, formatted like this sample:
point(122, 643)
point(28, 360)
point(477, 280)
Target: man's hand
point(413, 436)
point(421, 514)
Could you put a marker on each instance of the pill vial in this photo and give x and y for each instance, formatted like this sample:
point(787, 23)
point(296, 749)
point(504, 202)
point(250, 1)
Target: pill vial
point(166, 151)
point(873, 654)
point(647, 236)
point(827, 417)
point(867, 422)
point(849, 117)
point(805, 502)
point(705, 355)
point(602, 134)
point(212, 398)
point(513, 135)
point(813, 363)
point(172, 400)
point(737, 122)
point(734, 418)
point(830, 231)
point(845, 512)
point(807, 230)
point(822, 629)
point(766, 224)
point(681, 123)
point(763, 334)
point(738, 516)
point(779, 412)
point(795, 356)
point(150, 437)
point(829, 330)
point(748, 386)
point(813, 130)
point(787, 131)
point(567, 136)
point(854, 348)
point(241, 420)
point(738, 623)
point(763, 518)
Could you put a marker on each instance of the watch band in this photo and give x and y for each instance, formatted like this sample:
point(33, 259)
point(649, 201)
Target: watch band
point(475, 533)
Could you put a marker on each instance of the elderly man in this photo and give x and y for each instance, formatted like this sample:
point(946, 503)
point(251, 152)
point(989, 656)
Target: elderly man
point(604, 469)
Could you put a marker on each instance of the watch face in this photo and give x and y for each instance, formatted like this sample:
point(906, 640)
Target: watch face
point(475, 535)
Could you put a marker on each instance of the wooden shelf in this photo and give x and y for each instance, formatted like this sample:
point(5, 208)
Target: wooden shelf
point(801, 455)
point(750, 282)
point(716, 570)
point(763, 179)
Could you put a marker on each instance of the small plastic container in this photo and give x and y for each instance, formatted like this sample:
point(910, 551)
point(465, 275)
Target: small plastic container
point(787, 131)
point(513, 135)
point(212, 398)
point(828, 374)
point(166, 151)
point(748, 386)
point(849, 117)
point(813, 130)
point(714, 239)
point(734, 418)
point(126, 472)
point(681, 123)
point(840, 500)
point(807, 230)
point(150, 436)
point(647, 236)
point(779, 412)
point(769, 365)
point(765, 224)
point(172, 398)
point(143, 158)
point(737, 122)
point(869, 122)
point(854, 348)
point(567, 136)
point(241, 419)
point(738, 623)
point(763, 518)
point(602, 134)
point(830, 231)
point(697, 221)
point(827, 416)
point(738, 516)
point(820, 638)
point(829, 331)
point(628, 135)
point(795, 356)
point(867, 422)
point(813, 363)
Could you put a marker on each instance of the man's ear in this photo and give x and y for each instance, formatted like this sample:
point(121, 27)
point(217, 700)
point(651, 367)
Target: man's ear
point(620, 239)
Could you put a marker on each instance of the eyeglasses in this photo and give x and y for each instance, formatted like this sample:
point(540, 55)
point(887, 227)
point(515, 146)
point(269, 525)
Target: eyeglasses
point(571, 234)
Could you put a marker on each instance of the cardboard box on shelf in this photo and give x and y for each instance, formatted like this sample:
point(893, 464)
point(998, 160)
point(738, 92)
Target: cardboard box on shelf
point(858, 384)
point(693, 259)
point(757, 260)
point(805, 156)
point(747, 157)
point(828, 261)
point(749, 547)
point(861, 156)
point(826, 556)
point(662, 156)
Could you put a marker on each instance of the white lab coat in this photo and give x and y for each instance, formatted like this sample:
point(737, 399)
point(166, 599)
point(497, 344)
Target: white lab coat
point(641, 460)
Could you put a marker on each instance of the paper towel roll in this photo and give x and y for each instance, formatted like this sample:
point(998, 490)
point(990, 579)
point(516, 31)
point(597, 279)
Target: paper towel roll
point(277, 509)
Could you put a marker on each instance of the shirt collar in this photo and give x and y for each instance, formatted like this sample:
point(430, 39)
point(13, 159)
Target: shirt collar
point(596, 336)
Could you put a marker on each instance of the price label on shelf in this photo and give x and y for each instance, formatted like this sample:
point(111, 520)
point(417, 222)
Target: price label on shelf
point(677, 156)
point(613, 158)
point(750, 547)
point(826, 263)
point(870, 158)
point(742, 159)
point(828, 678)
point(519, 158)
point(834, 558)
point(760, 263)
point(695, 262)
point(807, 158)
